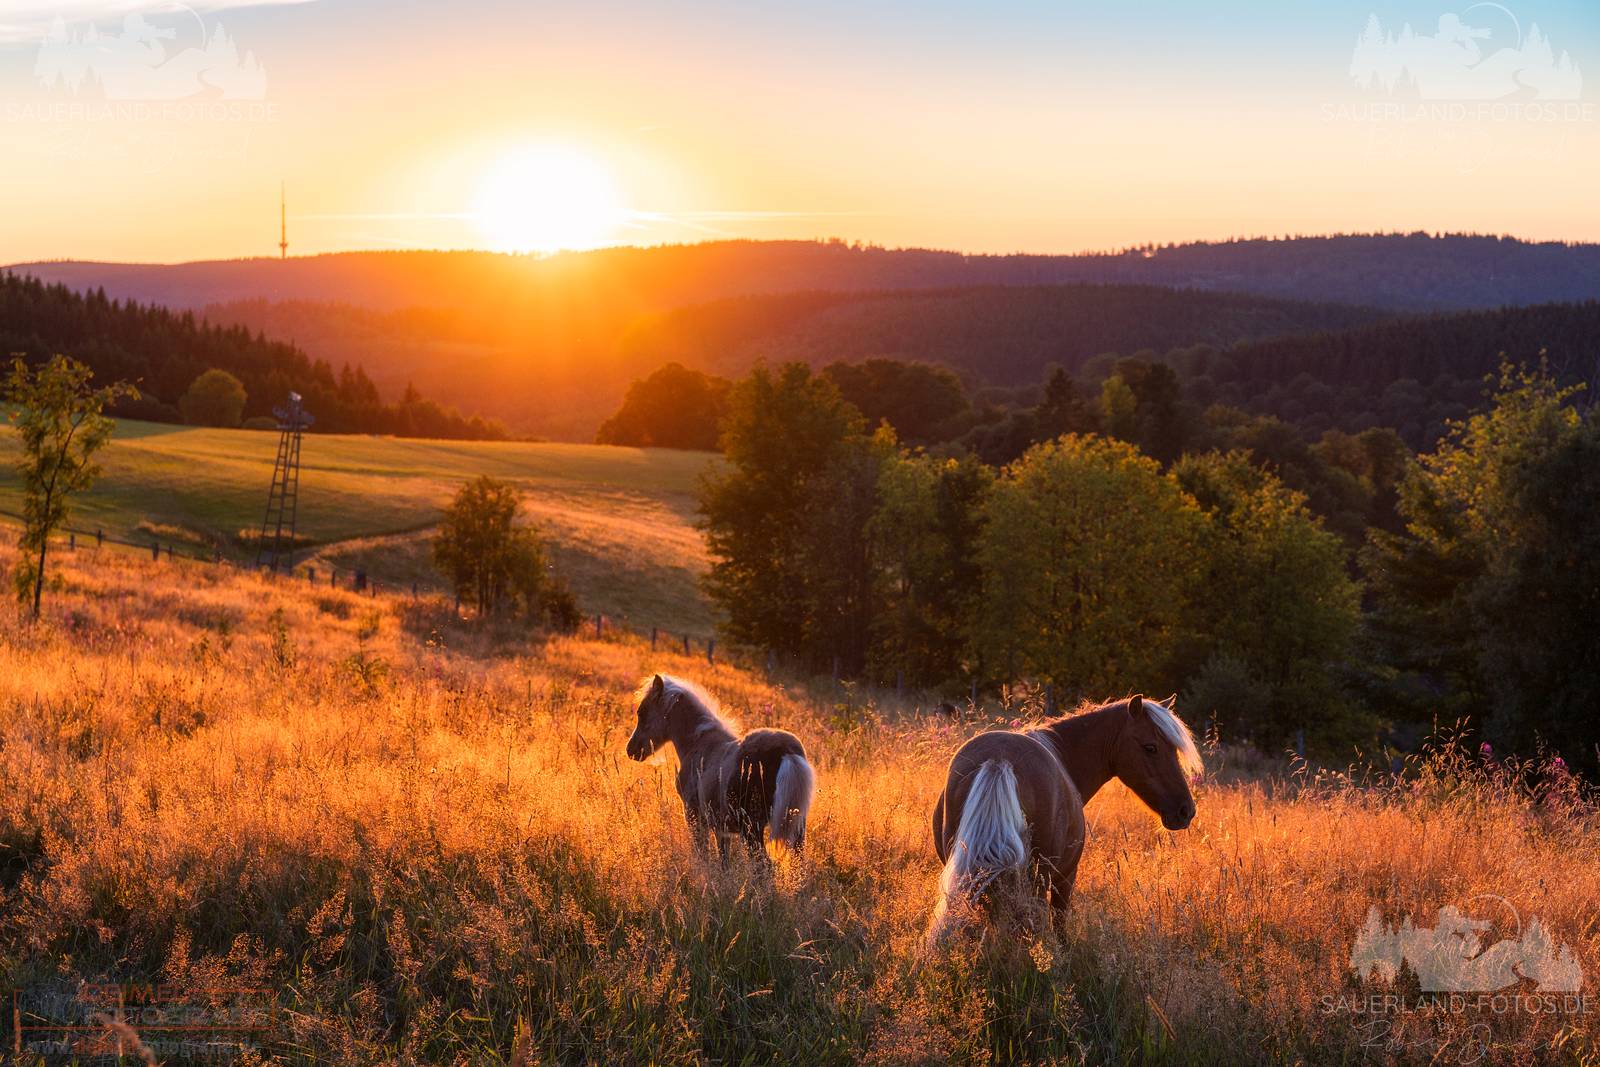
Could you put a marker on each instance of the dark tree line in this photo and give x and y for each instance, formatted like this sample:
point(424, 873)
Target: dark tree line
point(163, 352)
point(1110, 554)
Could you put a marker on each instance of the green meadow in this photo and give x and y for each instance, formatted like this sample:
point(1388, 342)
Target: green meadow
point(619, 521)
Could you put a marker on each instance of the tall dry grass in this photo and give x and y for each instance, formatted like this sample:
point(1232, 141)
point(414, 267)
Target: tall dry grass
point(428, 843)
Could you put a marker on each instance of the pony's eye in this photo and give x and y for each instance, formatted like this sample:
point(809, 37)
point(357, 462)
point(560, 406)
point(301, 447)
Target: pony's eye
point(1151, 749)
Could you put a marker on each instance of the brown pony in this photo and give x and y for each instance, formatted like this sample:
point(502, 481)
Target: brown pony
point(1014, 800)
point(731, 786)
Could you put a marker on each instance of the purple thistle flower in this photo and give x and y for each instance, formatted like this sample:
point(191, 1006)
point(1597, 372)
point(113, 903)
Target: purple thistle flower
point(1486, 751)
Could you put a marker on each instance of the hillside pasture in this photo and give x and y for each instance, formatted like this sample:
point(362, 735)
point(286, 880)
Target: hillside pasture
point(619, 520)
point(423, 840)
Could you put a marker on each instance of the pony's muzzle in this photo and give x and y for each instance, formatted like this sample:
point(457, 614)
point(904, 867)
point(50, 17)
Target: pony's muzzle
point(1180, 819)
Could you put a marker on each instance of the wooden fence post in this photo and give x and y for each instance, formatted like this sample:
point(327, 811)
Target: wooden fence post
point(155, 552)
point(652, 639)
point(99, 538)
point(711, 650)
point(599, 622)
point(685, 644)
point(72, 541)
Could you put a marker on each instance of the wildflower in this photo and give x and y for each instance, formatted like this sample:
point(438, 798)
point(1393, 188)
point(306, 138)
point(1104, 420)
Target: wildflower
point(1016, 723)
point(1558, 767)
point(1486, 752)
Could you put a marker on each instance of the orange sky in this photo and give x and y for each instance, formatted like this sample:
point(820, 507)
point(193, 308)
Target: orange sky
point(1006, 128)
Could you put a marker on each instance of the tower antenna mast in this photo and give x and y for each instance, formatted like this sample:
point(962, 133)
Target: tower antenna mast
point(283, 222)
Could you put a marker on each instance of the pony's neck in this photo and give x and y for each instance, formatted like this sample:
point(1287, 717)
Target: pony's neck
point(691, 725)
point(1085, 744)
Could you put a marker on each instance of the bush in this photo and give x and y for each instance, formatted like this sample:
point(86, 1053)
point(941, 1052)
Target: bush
point(495, 565)
point(144, 408)
point(215, 398)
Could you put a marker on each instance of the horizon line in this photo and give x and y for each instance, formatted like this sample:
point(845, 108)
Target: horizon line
point(855, 245)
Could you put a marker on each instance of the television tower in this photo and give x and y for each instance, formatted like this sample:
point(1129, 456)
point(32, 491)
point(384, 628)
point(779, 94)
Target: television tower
point(283, 223)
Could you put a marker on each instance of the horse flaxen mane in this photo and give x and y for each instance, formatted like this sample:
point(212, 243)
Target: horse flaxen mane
point(700, 702)
point(1174, 729)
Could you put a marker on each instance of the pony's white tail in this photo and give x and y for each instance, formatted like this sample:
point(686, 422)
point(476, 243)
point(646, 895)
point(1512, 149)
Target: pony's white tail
point(791, 800)
point(990, 841)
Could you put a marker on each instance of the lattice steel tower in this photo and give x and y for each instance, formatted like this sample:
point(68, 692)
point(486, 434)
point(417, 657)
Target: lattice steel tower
point(283, 499)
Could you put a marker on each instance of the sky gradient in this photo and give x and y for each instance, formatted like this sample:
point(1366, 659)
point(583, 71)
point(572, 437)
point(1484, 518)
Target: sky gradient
point(988, 128)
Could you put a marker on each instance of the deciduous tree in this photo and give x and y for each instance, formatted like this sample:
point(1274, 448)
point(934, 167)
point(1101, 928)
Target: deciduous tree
point(1090, 557)
point(61, 423)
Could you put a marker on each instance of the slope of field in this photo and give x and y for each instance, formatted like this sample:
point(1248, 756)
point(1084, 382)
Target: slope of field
point(618, 520)
point(423, 842)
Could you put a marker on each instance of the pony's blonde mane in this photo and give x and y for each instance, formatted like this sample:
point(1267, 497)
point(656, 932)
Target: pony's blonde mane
point(1178, 733)
point(1172, 728)
point(704, 701)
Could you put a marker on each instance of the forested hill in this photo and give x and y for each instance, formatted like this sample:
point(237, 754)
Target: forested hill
point(1410, 374)
point(998, 335)
point(163, 351)
point(1396, 271)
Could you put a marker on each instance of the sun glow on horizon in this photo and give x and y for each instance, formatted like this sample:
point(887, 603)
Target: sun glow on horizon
point(548, 198)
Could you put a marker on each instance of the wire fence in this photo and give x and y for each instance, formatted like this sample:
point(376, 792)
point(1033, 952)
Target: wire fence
point(358, 580)
point(598, 625)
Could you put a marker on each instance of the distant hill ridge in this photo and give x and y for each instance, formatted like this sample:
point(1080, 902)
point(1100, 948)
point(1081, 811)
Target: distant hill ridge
point(549, 344)
point(1403, 272)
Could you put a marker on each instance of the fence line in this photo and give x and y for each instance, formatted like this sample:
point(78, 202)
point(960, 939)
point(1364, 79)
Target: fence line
point(72, 538)
point(659, 638)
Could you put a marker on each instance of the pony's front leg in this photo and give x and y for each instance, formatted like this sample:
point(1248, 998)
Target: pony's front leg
point(699, 832)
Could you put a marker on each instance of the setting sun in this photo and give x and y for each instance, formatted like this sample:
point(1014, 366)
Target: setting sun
point(546, 199)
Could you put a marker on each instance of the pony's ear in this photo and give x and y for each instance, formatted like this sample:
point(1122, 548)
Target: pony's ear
point(657, 687)
point(1136, 706)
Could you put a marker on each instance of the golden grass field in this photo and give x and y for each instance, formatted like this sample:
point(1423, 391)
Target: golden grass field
point(424, 839)
point(618, 521)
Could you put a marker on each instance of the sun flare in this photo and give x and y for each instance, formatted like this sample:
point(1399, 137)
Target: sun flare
point(546, 199)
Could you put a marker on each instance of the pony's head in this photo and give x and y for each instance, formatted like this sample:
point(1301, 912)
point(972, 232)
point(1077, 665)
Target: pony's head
point(1155, 756)
point(664, 701)
point(656, 699)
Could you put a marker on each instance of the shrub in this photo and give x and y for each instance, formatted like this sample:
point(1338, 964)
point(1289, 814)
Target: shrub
point(215, 398)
